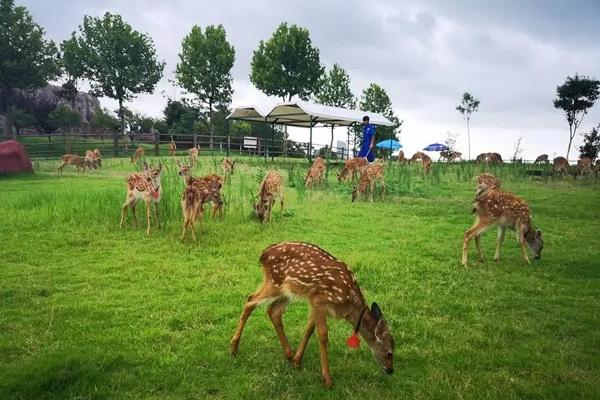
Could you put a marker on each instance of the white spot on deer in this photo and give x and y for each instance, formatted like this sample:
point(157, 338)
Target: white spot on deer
point(331, 278)
point(340, 299)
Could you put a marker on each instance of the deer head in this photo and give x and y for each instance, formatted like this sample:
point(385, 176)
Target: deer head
point(378, 337)
point(535, 241)
point(153, 174)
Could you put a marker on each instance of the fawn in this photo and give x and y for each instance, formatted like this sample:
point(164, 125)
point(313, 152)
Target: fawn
point(494, 158)
point(372, 174)
point(542, 158)
point(496, 207)
point(228, 166)
point(305, 271)
point(426, 164)
point(352, 168)
point(192, 200)
point(140, 152)
point(143, 186)
point(271, 187)
point(211, 183)
point(193, 152)
point(401, 157)
point(70, 159)
point(560, 165)
point(416, 157)
point(316, 173)
point(92, 158)
point(172, 148)
point(584, 167)
point(485, 183)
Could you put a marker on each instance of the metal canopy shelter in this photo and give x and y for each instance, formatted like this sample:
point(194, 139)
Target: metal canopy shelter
point(304, 115)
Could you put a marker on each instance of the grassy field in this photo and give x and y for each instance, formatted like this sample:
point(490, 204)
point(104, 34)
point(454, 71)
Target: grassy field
point(90, 311)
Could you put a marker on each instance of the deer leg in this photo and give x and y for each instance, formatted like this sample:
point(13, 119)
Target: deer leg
point(501, 232)
point(126, 205)
point(275, 311)
point(371, 190)
point(133, 215)
point(478, 246)
point(310, 328)
point(523, 243)
point(156, 214)
point(148, 212)
point(321, 322)
point(469, 234)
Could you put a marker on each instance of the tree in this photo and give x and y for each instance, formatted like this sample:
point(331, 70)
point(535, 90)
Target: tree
point(66, 119)
point(27, 60)
point(204, 68)
point(591, 144)
point(118, 61)
point(468, 106)
point(73, 65)
point(334, 90)
point(287, 65)
point(574, 98)
point(22, 119)
point(375, 99)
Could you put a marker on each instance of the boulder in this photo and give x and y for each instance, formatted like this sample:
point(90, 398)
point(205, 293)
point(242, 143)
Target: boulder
point(14, 158)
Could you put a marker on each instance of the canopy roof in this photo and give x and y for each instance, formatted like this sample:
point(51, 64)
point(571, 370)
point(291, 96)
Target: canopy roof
point(304, 114)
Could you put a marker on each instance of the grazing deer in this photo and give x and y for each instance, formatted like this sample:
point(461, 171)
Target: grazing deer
point(293, 270)
point(560, 165)
point(211, 182)
point(70, 159)
point(426, 164)
point(143, 186)
point(93, 159)
point(172, 148)
point(485, 183)
point(542, 158)
point(371, 175)
point(482, 158)
point(316, 173)
point(140, 152)
point(450, 155)
point(271, 187)
point(202, 191)
point(193, 152)
point(506, 210)
point(494, 158)
point(401, 157)
point(418, 156)
point(352, 168)
point(584, 167)
point(228, 166)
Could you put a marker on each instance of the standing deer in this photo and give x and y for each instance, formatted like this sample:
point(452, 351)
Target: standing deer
point(496, 207)
point(584, 167)
point(450, 155)
point(194, 196)
point(211, 182)
point(560, 165)
point(426, 164)
point(485, 183)
point(140, 152)
point(271, 187)
point(143, 186)
point(494, 158)
point(305, 271)
point(401, 157)
point(316, 173)
point(70, 159)
point(482, 158)
point(93, 159)
point(228, 166)
point(542, 158)
point(371, 175)
point(352, 168)
point(418, 156)
point(172, 148)
point(193, 152)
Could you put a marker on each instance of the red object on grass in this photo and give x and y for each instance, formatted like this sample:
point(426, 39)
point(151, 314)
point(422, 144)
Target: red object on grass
point(353, 341)
point(14, 158)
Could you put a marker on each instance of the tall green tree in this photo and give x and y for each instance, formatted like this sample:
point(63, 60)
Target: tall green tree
point(72, 63)
point(375, 99)
point(334, 90)
point(574, 98)
point(287, 65)
point(27, 59)
point(22, 119)
point(204, 68)
point(591, 144)
point(468, 106)
point(119, 62)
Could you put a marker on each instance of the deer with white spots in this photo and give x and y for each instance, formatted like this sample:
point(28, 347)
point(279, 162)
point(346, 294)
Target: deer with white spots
point(143, 186)
point(305, 271)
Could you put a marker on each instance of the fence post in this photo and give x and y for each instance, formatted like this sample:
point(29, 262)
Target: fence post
point(156, 142)
point(115, 144)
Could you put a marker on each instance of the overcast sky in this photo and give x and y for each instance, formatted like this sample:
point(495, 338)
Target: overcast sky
point(509, 54)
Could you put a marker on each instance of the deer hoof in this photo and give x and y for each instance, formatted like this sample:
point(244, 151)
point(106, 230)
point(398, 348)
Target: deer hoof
point(327, 381)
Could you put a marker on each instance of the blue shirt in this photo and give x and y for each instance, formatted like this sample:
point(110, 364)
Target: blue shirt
point(365, 151)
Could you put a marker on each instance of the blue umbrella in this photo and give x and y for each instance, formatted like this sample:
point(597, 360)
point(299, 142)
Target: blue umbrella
point(436, 147)
point(389, 144)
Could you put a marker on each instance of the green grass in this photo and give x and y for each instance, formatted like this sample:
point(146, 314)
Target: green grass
point(90, 311)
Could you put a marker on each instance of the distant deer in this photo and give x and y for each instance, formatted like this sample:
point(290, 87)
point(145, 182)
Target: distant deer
point(418, 156)
point(401, 157)
point(450, 155)
point(140, 152)
point(143, 186)
point(228, 166)
point(542, 158)
point(172, 148)
point(504, 209)
point(211, 182)
point(194, 196)
point(494, 158)
point(427, 163)
point(352, 168)
point(70, 159)
point(93, 159)
point(193, 152)
point(371, 175)
point(482, 158)
point(584, 167)
point(305, 271)
point(560, 165)
point(316, 173)
point(271, 187)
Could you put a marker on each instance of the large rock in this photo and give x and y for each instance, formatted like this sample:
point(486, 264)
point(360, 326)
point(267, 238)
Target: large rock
point(14, 158)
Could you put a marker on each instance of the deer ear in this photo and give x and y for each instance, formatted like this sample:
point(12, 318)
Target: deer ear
point(376, 312)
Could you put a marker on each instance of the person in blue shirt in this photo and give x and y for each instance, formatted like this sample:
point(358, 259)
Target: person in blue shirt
point(367, 147)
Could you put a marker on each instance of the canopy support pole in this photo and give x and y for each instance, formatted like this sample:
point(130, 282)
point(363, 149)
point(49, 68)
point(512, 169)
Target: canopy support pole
point(310, 140)
point(228, 137)
point(272, 140)
point(348, 144)
point(265, 140)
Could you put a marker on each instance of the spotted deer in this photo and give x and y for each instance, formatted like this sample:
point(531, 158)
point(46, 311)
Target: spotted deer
point(172, 148)
point(93, 159)
point(146, 187)
point(295, 270)
point(485, 183)
point(427, 163)
point(506, 210)
point(542, 158)
point(70, 159)
point(228, 166)
point(211, 183)
point(418, 156)
point(584, 167)
point(201, 191)
point(271, 187)
point(370, 176)
point(316, 173)
point(140, 153)
point(193, 153)
point(352, 169)
point(401, 158)
point(560, 166)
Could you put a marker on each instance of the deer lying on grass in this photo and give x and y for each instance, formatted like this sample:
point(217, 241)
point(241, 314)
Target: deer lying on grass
point(370, 176)
point(70, 159)
point(140, 153)
point(172, 148)
point(316, 173)
point(143, 186)
point(228, 166)
point(304, 271)
point(560, 166)
point(584, 167)
point(193, 152)
point(496, 207)
point(271, 187)
point(211, 182)
point(202, 191)
point(542, 158)
point(93, 158)
point(352, 169)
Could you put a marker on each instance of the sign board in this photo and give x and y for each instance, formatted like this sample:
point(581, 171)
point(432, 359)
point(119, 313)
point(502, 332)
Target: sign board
point(250, 142)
